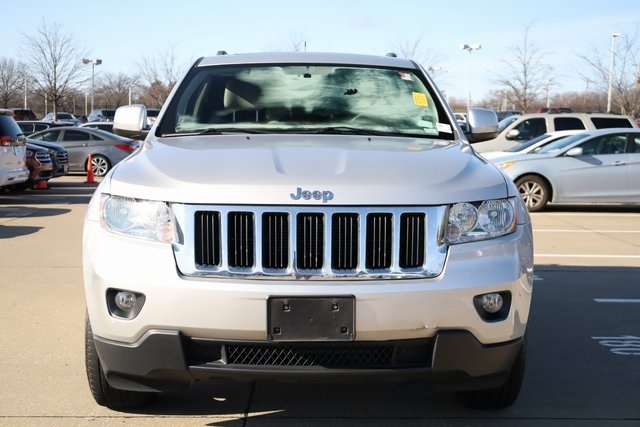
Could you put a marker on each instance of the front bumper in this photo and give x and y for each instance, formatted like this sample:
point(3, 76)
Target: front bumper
point(434, 316)
point(168, 360)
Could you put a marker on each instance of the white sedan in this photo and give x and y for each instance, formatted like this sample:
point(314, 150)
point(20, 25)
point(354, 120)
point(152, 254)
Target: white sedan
point(599, 166)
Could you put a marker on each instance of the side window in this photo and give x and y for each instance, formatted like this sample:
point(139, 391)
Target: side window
point(530, 128)
point(606, 122)
point(568, 123)
point(51, 136)
point(635, 146)
point(607, 144)
point(72, 135)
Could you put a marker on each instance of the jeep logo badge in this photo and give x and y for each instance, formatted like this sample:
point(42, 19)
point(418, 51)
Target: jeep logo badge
point(325, 196)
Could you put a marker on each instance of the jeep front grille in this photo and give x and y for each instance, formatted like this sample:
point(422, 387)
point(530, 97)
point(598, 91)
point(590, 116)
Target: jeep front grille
point(319, 243)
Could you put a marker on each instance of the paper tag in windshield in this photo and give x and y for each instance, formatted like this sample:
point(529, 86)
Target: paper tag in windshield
point(443, 127)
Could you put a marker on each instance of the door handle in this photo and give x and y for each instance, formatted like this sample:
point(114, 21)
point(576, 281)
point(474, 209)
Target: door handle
point(619, 163)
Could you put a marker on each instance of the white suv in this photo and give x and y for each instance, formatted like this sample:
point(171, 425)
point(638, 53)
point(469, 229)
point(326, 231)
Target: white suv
point(306, 216)
point(13, 152)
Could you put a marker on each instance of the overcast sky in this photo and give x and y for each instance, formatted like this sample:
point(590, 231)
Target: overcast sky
point(122, 33)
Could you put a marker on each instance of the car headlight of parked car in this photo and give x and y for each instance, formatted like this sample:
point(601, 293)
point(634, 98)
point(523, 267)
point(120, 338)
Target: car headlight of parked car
point(145, 219)
point(468, 222)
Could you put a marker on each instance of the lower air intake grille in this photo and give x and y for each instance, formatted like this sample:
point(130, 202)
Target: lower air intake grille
point(353, 355)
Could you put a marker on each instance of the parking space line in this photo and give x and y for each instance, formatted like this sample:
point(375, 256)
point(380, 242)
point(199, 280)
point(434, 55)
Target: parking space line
point(587, 256)
point(617, 300)
point(552, 230)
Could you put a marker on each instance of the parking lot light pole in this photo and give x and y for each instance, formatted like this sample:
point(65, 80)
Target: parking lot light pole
point(470, 48)
point(93, 63)
point(612, 65)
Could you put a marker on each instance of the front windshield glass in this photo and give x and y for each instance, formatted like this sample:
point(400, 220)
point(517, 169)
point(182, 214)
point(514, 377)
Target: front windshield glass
point(529, 143)
point(560, 144)
point(305, 98)
point(502, 124)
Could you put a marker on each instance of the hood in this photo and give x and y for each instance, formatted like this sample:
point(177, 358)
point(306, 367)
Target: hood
point(306, 170)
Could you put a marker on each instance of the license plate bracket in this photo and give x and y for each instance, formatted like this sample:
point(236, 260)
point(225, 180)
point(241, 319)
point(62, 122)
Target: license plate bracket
point(311, 318)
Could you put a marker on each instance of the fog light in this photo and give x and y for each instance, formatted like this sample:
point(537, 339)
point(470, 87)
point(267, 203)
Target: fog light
point(494, 306)
point(491, 303)
point(124, 304)
point(125, 301)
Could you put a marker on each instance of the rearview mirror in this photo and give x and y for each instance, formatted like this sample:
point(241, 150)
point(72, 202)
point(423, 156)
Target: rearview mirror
point(131, 121)
point(482, 124)
point(574, 152)
point(513, 134)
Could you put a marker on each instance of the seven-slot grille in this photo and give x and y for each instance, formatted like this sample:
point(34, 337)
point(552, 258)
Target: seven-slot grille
point(308, 242)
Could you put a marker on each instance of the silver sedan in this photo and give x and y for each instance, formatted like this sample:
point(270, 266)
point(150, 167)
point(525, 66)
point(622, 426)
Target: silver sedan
point(106, 148)
point(600, 166)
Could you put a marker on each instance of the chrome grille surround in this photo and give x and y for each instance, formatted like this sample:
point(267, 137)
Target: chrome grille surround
point(340, 242)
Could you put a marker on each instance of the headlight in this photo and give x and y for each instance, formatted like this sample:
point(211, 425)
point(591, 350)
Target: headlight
point(145, 219)
point(481, 220)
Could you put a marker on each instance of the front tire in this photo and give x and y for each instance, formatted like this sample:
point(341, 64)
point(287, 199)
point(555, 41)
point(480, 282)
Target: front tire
point(102, 392)
point(534, 191)
point(501, 397)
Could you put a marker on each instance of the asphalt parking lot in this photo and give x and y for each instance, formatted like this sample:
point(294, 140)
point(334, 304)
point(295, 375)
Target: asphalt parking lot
point(583, 364)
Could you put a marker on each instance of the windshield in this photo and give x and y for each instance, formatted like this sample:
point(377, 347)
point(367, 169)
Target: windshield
point(529, 143)
point(301, 98)
point(502, 124)
point(560, 144)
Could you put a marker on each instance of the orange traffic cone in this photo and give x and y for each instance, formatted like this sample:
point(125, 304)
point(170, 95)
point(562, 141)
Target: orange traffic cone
point(41, 185)
point(90, 179)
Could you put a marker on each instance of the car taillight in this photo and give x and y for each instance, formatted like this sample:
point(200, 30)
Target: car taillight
point(125, 147)
point(5, 140)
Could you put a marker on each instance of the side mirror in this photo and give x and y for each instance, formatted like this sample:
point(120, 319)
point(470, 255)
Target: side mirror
point(482, 125)
point(513, 134)
point(574, 152)
point(131, 121)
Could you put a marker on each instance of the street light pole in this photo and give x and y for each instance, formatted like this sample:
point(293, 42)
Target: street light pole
point(612, 65)
point(470, 48)
point(93, 63)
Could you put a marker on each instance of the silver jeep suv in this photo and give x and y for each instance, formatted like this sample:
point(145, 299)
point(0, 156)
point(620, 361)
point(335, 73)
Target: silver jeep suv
point(306, 217)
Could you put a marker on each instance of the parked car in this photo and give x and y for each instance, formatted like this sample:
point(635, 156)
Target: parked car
point(528, 126)
point(61, 117)
point(101, 115)
point(506, 113)
point(106, 149)
point(13, 166)
point(59, 156)
point(152, 115)
point(107, 126)
point(306, 215)
point(555, 110)
point(40, 166)
point(30, 126)
point(597, 166)
point(531, 145)
point(23, 114)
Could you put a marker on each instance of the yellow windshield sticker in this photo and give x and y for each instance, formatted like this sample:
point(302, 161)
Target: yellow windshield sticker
point(420, 99)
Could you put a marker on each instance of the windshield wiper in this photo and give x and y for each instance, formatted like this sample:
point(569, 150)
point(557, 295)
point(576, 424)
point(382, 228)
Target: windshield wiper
point(348, 130)
point(213, 131)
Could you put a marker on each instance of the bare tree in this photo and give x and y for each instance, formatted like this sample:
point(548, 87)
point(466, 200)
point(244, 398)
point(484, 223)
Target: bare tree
point(115, 90)
point(54, 60)
point(158, 75)
point(12, 80)
point(625, 79)
point(527, 77)
point(415, 50)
